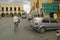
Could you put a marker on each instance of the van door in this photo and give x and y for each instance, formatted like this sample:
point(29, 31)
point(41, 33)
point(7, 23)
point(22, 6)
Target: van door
point(46, 23)
point(54, 24)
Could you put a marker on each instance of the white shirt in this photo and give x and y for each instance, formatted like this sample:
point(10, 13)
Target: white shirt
point(55, 16)
point(15, 19)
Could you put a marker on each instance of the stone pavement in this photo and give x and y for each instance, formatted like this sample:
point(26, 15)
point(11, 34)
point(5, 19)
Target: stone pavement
point(24, 32)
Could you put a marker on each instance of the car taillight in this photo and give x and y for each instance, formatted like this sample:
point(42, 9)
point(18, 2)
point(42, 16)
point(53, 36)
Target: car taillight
point(36, 23)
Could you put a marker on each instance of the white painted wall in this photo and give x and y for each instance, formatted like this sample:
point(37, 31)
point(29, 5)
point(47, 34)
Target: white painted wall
point(26, 7)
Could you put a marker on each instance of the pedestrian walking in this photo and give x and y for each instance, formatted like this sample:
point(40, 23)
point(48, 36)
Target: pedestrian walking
point(16, 21)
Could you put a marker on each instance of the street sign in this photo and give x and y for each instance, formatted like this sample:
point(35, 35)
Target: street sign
point(50, 7)
point(50, 4)
point(47, 11)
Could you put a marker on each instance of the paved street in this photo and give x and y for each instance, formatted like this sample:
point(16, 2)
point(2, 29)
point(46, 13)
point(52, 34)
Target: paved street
point(24, 32)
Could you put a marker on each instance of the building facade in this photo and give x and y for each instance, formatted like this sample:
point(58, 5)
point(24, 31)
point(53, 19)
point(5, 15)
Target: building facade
point(34, 9)
point(10, 9)
point(37, 4)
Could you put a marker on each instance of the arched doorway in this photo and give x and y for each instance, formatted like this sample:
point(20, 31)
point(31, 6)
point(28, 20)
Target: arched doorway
point(2, 15)
point(11, 14)
point(7, 14)
point(15, 14)
point(19, 14)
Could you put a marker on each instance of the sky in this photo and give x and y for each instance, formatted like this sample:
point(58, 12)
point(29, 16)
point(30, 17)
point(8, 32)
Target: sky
point(14, 1)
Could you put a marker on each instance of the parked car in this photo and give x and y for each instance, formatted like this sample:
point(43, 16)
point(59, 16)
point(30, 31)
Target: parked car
point(58, 34)
point(23, 15)
point(42, 24)
point(30, 16)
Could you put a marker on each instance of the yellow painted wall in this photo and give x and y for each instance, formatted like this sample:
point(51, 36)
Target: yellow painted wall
point(50, 1)
point(33, 4)
point(40, 4)
point(58, 15)
point(11, 5)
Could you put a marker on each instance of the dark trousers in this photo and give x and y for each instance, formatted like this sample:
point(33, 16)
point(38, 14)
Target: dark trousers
point(58, 38)
point(15, 26)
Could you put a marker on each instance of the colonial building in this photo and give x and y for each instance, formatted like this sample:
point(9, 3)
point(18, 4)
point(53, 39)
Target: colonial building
point(37, 4)
point(10, 9)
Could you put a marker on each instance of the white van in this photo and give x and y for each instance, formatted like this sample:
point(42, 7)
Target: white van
point(42, 24)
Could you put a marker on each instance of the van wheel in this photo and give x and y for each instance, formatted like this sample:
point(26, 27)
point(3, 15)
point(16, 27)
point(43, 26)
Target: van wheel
point(42, 30)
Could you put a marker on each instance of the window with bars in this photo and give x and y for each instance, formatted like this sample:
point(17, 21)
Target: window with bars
point(10, 8)
point(2, 8)
point(14, 8)
point(18, 8)
point(6, 8)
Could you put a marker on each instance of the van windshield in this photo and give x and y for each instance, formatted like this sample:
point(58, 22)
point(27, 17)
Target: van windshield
point(37, 19)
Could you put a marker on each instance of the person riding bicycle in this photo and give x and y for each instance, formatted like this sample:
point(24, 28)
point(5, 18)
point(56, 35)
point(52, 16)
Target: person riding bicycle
point(16, 20)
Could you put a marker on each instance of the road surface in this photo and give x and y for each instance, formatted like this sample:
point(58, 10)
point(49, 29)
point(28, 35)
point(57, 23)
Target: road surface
point(23, 33)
